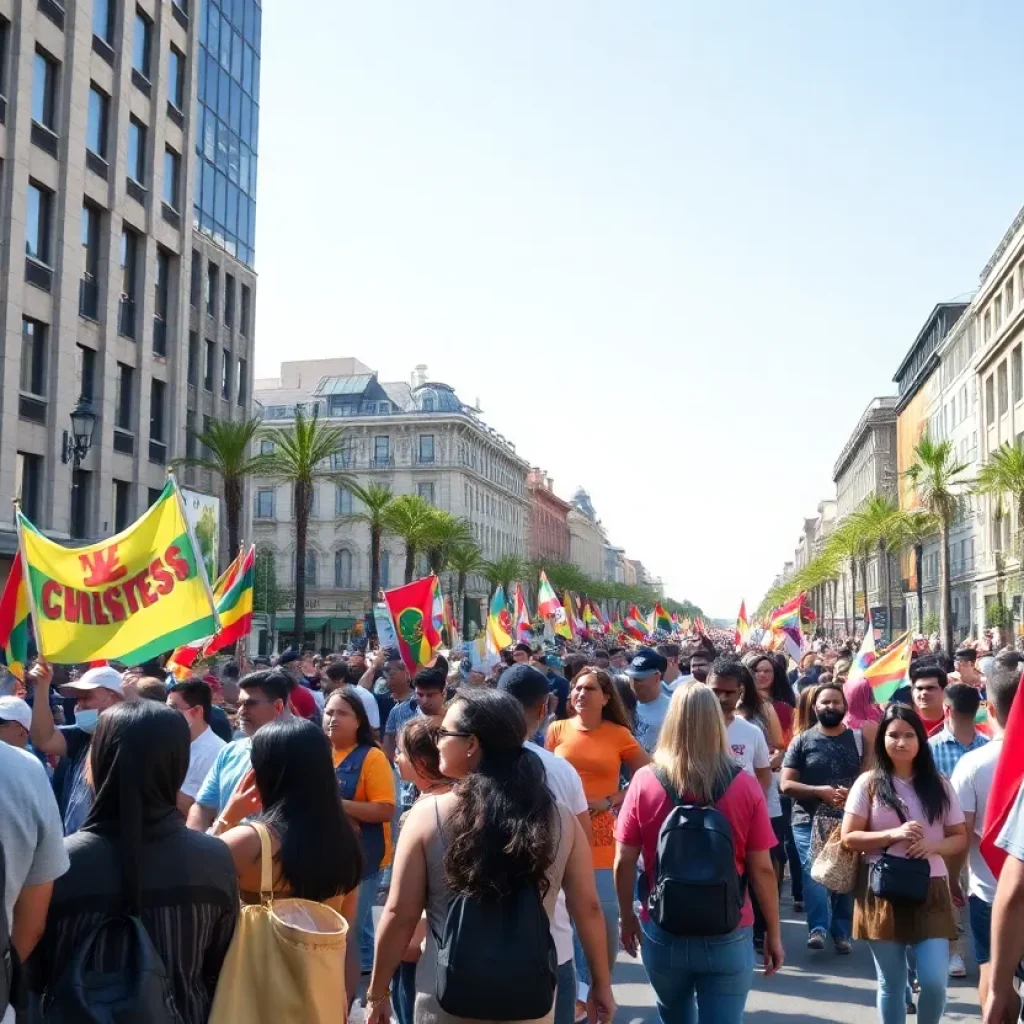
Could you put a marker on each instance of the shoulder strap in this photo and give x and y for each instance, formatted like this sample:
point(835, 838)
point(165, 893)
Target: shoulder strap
point(722, 788)
point(266, 863)
point(666, 783)
point(858, 741)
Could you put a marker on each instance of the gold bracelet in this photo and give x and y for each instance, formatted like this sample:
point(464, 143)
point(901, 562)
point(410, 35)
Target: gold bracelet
point(371, 1002)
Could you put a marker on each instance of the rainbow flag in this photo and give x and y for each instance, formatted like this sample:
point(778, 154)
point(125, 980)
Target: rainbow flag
point(635, 624)
point(889, 671)
point(742, 625)
point(662, 619)
point(499, 623)
point(14, 616)
point(416, 612)
point(865, 656)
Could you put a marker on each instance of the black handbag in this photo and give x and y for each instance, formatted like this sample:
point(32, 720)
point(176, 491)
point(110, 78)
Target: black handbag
point(900, 880)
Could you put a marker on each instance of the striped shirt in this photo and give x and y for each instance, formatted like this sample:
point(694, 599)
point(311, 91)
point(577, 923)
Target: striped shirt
point(189, 908)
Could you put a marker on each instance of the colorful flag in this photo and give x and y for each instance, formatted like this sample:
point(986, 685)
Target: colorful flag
point(1006, 783)
point(412, 611)
point(14, 614)
point(590, 618)
point(524, 627)
point(742, 626)
point(499, 623)
point(635, 624)
point(684, 625)
point(233, 598)
point(890, 671)
point(662, 619)
point(547, 601)
point(129, 598)
point(865, 656)
point(451, 624)
point(576, 626)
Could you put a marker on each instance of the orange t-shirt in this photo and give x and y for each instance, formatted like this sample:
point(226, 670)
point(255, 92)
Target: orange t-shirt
point(376, 784)
point(598, 755)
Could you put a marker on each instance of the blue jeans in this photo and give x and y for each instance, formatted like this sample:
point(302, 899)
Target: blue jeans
point(364, 920)
point(699, 981)
point(829, 912)
point(610, 909)
point(932, 961)
point(565, 994)
point(796, 871)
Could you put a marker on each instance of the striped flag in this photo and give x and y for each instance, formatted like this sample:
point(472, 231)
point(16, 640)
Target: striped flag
point(14, 615)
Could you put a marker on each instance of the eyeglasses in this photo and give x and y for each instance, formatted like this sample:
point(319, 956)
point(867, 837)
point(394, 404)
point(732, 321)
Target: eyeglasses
point(440, 734)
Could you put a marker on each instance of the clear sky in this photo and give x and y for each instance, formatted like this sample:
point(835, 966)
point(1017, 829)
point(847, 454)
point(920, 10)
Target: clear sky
point(673, 247)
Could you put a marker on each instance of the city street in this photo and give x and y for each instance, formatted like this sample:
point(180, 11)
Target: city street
point(813, 986)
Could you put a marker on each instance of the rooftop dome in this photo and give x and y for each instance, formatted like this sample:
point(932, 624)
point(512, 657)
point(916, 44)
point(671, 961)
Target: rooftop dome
point(435, 397)
point(582, 502)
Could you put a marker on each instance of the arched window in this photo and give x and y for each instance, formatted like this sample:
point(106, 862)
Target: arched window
point(343, 569)
point(311, 568)
point(385, 569)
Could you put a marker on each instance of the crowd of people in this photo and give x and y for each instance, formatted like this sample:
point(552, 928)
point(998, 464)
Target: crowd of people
point(520, 823)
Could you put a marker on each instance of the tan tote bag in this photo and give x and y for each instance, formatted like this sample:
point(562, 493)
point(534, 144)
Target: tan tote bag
point(286, 961)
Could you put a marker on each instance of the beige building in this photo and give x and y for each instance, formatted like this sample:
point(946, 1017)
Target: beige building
point(416, 438)
point(105, 293)
point(587, 538)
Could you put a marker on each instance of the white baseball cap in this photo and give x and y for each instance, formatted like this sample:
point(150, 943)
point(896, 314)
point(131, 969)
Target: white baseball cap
point(104, 677)
point(14, 709)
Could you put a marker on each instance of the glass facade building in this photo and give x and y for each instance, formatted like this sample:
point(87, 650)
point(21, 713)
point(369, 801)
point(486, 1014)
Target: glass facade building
point(227, 132)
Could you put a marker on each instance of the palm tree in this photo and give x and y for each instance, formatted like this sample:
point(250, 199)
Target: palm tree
point(410, 517)
point(845, 546)
point(228, 448)
point(446, 532)
point(934, 475)
point(877, 521)
point(912, 529)
point(1003, 473)
point(464, 560)
point(299, 454)
point(505, 571)
point(376, 500)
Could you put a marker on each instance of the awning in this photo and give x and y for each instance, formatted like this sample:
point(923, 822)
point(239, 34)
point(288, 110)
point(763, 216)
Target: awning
point(338, 623)
point(286, 623)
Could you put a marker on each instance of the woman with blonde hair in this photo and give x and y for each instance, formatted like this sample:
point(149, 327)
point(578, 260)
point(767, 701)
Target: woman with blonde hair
point(693, 765)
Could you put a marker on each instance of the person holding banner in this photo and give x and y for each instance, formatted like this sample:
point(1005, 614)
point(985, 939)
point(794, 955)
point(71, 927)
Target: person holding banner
point(97, 690)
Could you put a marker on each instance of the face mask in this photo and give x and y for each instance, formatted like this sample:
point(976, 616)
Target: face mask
point(87, 720)
point(830, 719)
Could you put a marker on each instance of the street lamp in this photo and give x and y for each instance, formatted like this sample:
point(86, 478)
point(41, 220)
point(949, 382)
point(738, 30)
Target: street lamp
point(79, 441)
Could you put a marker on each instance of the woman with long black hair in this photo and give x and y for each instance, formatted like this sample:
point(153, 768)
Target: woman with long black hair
point(498, 832)
point(134, 852)
point(905, 809)
point(315, 850)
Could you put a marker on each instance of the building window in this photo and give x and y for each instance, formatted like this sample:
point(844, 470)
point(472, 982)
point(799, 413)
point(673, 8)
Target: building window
point(266, 447)
point(1009, 297)
point(86, 372)
point(265, 503)
point(211, 364)
point(123, 403)
point(44, 91)
point(172, 177)
point(987, 331)
point(197, 281)
point(426, 492)
point(1017, 373)
point(385, 569)
point(190, 434)
point(243, 324)
point(193, 359)
point(382, 450)
point(103, 19)
point(129, 277)
point(99, 118)
point(142, 44)
point(225, 375)
point(28, 484)
point(136, 151)
point(998, 307)
point(122, 504)
point(81, 501)
point(241, 391)
point(229, 300)
point(161, 300)
point(176, 78)
point(311, 568)
point(343, 501)
point(343, 570)
point(1002, 390)
point(426, 448)
point(33, 357)
point(211, 289)
point(990, 401)
point(38, 223)
point(157, 410)
point(89, 299)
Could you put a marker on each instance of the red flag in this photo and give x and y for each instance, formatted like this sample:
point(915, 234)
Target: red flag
point(1005, 785)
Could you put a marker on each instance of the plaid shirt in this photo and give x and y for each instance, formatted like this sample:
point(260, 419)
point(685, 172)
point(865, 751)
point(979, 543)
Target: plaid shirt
point(947, 749)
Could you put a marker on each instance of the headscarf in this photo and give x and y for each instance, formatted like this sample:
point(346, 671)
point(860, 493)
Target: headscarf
point(860, 703)
point(138, 757)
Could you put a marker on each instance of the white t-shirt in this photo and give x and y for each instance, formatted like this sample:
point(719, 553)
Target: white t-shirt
point(972, 781)
point(748, 744)
point(566, 787)
point(202, 753)
point(372, 710)
point(649, 718)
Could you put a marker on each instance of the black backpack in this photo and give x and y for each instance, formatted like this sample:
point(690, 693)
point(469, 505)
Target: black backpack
point(697, 891)
point(496, 959)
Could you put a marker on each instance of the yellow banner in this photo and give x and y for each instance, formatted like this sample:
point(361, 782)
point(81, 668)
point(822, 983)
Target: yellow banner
point(128, 598)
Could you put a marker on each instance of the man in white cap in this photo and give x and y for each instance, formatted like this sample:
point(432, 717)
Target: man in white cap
point(15, 721)
point(97, 689)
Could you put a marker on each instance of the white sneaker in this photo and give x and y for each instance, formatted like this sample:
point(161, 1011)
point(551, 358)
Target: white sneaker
point(956, 966)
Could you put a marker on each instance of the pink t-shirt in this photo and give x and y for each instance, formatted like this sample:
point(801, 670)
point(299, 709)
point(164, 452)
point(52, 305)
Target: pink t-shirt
point(881, 817)
point(647, 805)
